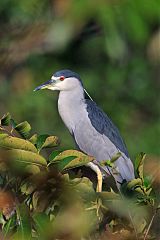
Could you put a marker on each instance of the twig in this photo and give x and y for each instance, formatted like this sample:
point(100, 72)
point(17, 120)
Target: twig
point(131, 219)
point(5, 130)
point(135, 230)
point(150, 224)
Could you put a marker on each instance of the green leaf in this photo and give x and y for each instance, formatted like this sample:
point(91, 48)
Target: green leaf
point(24, 230)
point(108, 196)
point(139, 162)
point(35, 198)
point(27, 157)
point(107, 163)
point(53, 155)
point(139, 189)
point(148, 191)
point(45, 141)
point(158, 207)
point(77, 159)
point(134, 182)
point(42, 223)
point(9, 226)
point(33, 139)
point(13, 123)
point(23, 129)
point(148, 181)
point(107, 199)
point(110, 163)
point(16, 143)
point(5, 120)
point(85, 190)
point(51, 141)
point(68, 153)
point(33, 169)
point(115, 157)
point(28, 188)
point(66, 163)
point(3, 135)
point(41, 140)
point(40, 201)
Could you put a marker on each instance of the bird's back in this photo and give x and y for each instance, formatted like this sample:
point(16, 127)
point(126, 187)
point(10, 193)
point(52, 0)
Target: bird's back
point(104, 125)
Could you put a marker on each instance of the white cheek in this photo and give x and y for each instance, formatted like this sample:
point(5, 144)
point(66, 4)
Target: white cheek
point(63, 85)
point(60, 86)
point(68, 84)
point(53, 88)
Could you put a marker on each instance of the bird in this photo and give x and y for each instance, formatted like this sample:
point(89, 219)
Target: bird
point(93, 131)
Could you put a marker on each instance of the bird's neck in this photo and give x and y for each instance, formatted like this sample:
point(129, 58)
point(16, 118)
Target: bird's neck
point(71, 97)
point(70, 106)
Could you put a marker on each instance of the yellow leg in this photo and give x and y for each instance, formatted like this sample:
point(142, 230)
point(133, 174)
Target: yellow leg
point(96, 169)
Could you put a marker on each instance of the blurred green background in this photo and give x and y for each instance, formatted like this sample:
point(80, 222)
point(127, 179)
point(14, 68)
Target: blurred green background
point(115, 47)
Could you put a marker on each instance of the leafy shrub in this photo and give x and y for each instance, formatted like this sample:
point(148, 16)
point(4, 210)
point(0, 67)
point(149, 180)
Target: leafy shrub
point(41, 198)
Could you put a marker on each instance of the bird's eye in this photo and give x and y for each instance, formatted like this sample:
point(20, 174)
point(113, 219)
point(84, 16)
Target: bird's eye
point(61, 78)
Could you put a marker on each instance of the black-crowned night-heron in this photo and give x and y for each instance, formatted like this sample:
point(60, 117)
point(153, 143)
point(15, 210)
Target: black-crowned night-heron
point(92, 130)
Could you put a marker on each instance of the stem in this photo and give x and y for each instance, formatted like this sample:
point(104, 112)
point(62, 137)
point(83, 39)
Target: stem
point(149, 226)
point(5, 130)
point(130, 216)
point(135, 230)
point(8, 183)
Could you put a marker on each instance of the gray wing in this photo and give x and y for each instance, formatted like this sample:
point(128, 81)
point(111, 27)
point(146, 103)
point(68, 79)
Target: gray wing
point(104, 125)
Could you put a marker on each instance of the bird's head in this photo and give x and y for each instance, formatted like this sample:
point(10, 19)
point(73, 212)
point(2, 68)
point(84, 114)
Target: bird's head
point(63, 80)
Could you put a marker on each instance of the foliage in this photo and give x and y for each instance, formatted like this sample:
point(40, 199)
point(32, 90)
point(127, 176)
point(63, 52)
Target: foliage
point(113, 45)
point(41, 197)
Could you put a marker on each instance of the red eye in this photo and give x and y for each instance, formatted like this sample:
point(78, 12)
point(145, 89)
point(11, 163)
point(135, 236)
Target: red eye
point(61, 78)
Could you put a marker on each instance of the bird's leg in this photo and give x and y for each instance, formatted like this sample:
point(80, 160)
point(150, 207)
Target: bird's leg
point(96, 169)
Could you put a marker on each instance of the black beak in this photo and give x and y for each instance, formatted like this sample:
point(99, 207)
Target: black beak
point(43, 86)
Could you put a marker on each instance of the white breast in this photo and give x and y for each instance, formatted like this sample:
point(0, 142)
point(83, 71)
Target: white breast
point(71, 108)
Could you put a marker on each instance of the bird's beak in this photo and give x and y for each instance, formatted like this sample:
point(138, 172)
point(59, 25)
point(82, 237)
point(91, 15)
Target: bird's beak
point(45, 85)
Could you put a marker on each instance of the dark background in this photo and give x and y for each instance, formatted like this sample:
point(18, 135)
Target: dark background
point(113, 45)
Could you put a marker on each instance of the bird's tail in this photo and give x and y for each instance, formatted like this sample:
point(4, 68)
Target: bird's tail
point(123, 170)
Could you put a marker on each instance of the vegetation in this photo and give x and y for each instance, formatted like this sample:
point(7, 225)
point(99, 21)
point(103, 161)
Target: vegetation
point(113, 45)
point(42, 198)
